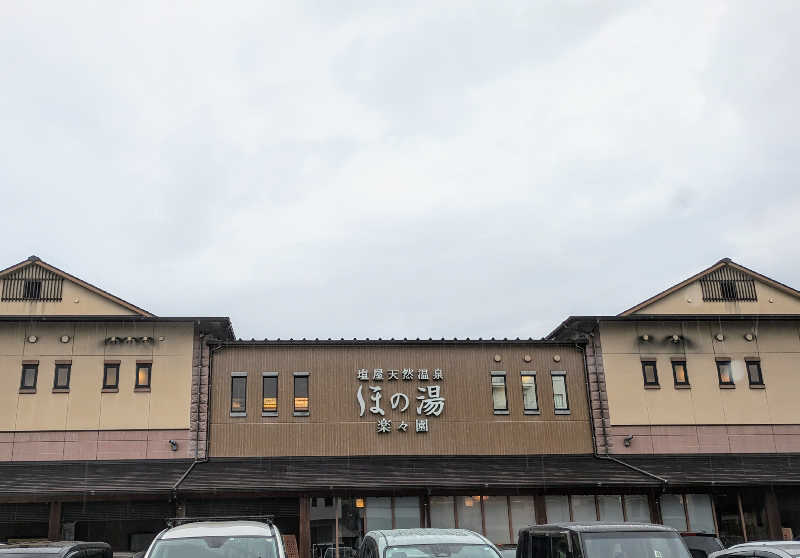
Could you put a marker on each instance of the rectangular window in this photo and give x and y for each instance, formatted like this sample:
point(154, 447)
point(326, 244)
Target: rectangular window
point(442, 512)
point(301, 393)
point(530, 400)
point(560, 399)
point(29, 374)
point(701, 514)
point(679, 373)
point(499, 396)
point(379, 513)
point(143, 372)
point(522, 514)
point(556, 508)
point(406, 512)
point(111, 376)
point(269, 394)
point(469, 513)
point(238, 394)
point(725, 373)
point(650, 372)
point(673, 512)
point(754, 373)
point(61, 376)
point(637, 508)
point(583, 508)
point(495, 511)
point(610, 508)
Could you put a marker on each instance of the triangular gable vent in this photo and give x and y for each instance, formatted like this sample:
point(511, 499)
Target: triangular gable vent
point(728, 284)
point(32, 282)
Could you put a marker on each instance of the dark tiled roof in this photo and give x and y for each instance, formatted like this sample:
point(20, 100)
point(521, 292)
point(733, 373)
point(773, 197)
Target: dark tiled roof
point(393, 341)
point(386, 473)
point(90, 478)
point(730, 470)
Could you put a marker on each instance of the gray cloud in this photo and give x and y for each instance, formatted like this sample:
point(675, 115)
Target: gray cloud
point(384, 169)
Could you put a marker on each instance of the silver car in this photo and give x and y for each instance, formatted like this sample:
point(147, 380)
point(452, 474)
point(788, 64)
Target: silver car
point(218, 539)
point(426, 543)
point(764, 549)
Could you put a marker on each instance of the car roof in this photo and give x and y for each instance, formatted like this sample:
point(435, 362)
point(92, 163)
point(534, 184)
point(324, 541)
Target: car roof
point(599, 527)
point(794, 546)
point(219, 529)
point(403, 537)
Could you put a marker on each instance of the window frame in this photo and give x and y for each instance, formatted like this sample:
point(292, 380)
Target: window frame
point(29, 389)
point(530, 374)
point(301, 412)
point(675, 363)
point(654, 363)
point(61, 387)
point(757, 363)
point(729, 362)
point(499, 374)
point(106, 385)
point(238, 376)
point(264, 412)
point(149, 367)
point(556, 410)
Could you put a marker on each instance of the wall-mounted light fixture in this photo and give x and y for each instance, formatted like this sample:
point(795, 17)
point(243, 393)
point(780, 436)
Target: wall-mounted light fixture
point(644, 337)
point(173, 445)
point(675, 338)
point(720, 337)
point(627, 441)
point(65, 338)
point(749, 336)
point(557, 358)
point(32, 339)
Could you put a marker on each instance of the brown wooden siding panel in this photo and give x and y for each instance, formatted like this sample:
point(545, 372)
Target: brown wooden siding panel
point(467, 426)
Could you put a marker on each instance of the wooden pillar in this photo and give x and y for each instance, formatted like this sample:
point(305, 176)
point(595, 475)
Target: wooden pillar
point(655, 509)
point(304, 536)
point(54, 524)
point(773, 515)
point(540, 509)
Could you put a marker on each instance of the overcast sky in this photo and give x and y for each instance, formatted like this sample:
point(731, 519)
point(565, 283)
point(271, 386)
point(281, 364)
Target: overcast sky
point(405, 169)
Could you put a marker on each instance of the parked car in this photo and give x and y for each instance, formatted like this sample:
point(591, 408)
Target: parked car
point(218, 539)
point(761, 549)
point(64, 549)
point(508, 550)
point(426, 543)
point(701, 545)
point(600, 540)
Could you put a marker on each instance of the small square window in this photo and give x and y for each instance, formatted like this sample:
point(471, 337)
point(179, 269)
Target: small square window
point(61, 377)
point(111, 376)
point(143, 373)
point(679, 373)
point(650, 372)
point(499, 395)
point(754, 373)
point(29, 375)
point(32, 290)
point(725, 373)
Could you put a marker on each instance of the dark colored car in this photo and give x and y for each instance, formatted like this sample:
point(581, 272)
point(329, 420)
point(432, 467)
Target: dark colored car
point(64, 549)
point(600, 540)
point(702, 544)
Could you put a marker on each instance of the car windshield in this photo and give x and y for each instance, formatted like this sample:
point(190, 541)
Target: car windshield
point(215, 547)
point(441, 551)
point(634, 545)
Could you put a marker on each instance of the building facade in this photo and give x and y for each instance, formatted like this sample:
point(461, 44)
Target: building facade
point(697, 385)
point(334, 438)
point(88, 378)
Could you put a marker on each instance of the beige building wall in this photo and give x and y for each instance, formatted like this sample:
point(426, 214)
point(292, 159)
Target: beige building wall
point(75, 301)
point(689, 300)
point(84, 407)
